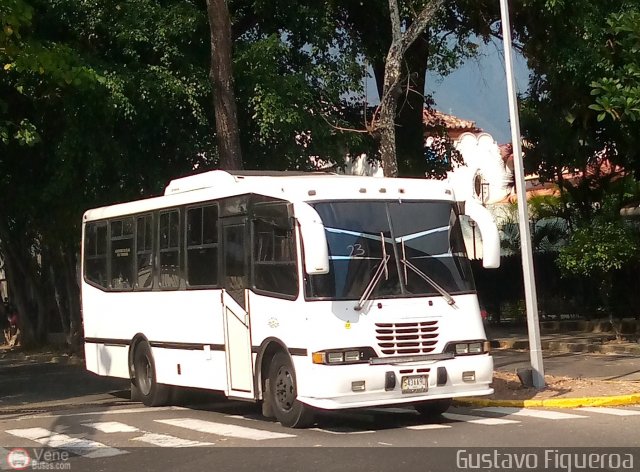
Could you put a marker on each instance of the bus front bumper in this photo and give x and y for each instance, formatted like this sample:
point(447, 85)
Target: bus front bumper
point(334, 387)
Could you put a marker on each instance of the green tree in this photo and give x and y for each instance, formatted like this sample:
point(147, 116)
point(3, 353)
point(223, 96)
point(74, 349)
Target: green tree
point(597, 250)
point(548, 227)
point(115, 101)
point(581, 63)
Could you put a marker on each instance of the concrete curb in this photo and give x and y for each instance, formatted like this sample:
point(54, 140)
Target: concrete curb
point(590, 347)
point(111, 398)
point(618, 400)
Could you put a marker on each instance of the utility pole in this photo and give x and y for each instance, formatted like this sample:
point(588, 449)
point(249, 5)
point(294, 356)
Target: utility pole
point(533, 324)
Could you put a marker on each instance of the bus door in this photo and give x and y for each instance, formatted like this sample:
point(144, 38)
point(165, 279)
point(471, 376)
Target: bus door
point(237, 323)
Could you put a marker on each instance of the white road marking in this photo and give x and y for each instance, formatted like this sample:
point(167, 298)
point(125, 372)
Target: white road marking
point(222, 429)
point(164, 440)
point(543, 414)
point(478, 419)
point(240, 417)
point(419, 427)
point(112, 427)
point(610, 411)
point(79, 446)
point(123, 411)
point(342, 430)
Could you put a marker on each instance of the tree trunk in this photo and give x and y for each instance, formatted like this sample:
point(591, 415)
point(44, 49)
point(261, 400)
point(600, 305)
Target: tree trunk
point(386, 118)
point(71, 278)
point(17, 295)
point(384, 125)
point(410, 117)
point(221, 76)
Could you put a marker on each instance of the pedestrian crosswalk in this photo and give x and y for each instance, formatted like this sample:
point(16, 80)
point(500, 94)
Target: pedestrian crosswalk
point(611, 411)
point(222, 429)
point(87, 435)
point(542, 414)
point(77, 446)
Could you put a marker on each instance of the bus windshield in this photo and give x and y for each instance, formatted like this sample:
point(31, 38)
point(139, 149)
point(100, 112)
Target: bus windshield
point(411, 236)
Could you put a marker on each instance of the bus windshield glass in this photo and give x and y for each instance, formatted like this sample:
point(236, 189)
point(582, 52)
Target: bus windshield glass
point(412, 236)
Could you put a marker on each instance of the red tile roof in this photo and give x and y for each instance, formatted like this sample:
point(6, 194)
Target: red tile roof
point(434, 118)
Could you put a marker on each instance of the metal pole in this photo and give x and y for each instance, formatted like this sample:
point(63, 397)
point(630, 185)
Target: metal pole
point(523, 214)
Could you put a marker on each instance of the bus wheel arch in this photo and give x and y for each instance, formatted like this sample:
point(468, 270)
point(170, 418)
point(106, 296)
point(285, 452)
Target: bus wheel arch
point(143, 374)
point(268, 349)
point(282, 393)
point(137, 339)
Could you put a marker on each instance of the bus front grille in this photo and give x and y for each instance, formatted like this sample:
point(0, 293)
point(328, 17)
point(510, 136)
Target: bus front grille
point(407, 338)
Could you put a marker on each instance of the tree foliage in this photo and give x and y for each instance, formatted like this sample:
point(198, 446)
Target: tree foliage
point(99, 102)
point(105, 101)
point(598, 249)
point(583, 70)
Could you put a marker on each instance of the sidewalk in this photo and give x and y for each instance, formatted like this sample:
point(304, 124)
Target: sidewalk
point(49, 380)
point(583, 362)
point(569, 336)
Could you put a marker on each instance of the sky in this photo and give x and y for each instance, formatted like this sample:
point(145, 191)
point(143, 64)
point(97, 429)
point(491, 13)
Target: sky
point(477, 91)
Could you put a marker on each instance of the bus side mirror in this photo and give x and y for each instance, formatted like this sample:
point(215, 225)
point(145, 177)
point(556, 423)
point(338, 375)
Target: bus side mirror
point(488, 231)
point(314, 239)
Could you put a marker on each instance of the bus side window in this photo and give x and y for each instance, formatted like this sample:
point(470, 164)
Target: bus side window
point(144, 252)
point(169, 249)
point(202, 246)
point(95, 253)
point(121, 254)
point(274, 250)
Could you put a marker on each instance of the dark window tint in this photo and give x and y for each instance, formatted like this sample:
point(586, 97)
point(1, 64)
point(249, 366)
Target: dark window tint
point(274, 250)
point(235, 261)
point(234, 253)
point(169, 254)
point(202, 246)
point(421, 240)
point(144, 252)
point(122, 254)
point(95, 253)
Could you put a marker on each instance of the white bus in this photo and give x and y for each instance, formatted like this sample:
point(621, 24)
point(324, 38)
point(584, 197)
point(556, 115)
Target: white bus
point(300, 291)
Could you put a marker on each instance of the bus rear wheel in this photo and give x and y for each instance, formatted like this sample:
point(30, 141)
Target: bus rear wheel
point(433, 408)
point(286, 407)
point(144, 385)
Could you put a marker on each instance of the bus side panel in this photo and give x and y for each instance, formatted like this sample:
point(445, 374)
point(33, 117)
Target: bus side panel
point(184, 322)
point(191, 368)
point(112, 360)
point(282, 319)
point(91, 357)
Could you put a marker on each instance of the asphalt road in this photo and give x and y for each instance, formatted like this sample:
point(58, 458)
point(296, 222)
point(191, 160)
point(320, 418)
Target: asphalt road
point(233, 436)
point(84, 422)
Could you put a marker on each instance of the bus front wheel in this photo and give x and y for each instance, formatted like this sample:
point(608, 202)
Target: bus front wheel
point(433, 408)
point(144, 385)
point(287, 409)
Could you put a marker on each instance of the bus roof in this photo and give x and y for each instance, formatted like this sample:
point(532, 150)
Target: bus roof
point(291, 186)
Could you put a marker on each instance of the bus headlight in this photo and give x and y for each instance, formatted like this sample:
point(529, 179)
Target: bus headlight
point(354, 355)
point(467, 348)
point(335, 357)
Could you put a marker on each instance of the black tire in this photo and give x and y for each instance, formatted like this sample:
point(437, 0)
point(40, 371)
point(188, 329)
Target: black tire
point(282, 392)
point(433, 408)
point(144, 386)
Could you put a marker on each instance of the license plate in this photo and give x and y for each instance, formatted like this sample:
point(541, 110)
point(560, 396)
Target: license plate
point(415, 383)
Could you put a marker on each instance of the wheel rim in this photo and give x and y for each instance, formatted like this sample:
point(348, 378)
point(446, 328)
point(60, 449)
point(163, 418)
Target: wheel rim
point(285, 389)
point(144, 375)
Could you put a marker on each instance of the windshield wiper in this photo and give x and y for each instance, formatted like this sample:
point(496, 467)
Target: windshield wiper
point(430, 281)
point(382, 268)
